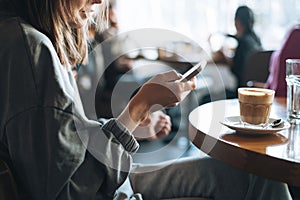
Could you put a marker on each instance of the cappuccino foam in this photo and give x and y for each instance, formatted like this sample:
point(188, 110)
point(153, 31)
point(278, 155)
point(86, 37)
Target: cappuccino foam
point(256, 95)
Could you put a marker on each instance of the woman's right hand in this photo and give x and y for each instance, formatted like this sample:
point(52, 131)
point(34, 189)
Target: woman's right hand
point(159, 92)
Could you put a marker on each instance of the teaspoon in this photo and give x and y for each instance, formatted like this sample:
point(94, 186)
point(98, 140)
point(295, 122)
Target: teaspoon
point(276, 123)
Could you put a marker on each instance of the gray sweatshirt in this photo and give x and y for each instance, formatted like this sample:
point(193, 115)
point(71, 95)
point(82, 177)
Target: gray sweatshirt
point(54, 151)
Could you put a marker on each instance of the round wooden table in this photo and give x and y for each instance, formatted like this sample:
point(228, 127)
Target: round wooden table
point(275, 156)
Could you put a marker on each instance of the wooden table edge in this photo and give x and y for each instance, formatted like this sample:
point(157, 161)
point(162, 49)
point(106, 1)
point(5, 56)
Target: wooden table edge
point(238, 157)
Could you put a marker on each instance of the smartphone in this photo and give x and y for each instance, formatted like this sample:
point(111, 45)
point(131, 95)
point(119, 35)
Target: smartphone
point(192, 72)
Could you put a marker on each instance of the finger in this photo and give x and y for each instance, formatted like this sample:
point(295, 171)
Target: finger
point(189, 85)
point(165, 123)
point(168, 127)
point(168, 119)
point(164, 126)
point(170, 75)
point(164, 131)
point(165, 120)
point(159, 126)
point(194, 82)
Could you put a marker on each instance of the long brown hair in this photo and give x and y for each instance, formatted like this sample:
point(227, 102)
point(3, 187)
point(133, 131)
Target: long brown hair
point(52, 17)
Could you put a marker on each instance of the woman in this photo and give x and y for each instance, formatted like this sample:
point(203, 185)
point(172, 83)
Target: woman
point(247, 43)
point(55, 152)
point(290, 48)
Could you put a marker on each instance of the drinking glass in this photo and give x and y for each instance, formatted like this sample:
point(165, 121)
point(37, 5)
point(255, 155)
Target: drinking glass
point(293, 148)
point(293, 90)
point(255, 105)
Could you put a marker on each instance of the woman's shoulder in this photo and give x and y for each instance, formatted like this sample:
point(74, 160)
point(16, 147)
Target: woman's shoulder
point(251, 41)
point(18, 35)
point(17, 29)
point(34, 37)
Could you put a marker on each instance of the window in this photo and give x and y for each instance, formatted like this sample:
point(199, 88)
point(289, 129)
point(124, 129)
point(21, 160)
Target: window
point(197, 19)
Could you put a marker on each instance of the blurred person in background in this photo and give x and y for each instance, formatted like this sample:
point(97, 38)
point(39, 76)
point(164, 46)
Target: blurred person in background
point(247, 43)
point(290, 48)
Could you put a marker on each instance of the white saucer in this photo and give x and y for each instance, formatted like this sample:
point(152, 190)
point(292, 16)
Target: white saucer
point(234, 122)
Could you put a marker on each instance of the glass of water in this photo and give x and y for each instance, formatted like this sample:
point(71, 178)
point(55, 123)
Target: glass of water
point(293, 90)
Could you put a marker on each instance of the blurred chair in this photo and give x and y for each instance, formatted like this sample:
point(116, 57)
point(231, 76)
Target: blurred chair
point(8, 189)
point(257, 69)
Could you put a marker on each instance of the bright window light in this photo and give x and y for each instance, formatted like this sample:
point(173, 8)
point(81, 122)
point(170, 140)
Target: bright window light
point(197, 19)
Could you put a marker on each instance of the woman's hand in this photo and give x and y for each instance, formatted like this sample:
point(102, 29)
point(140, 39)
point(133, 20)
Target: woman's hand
point(162, 91)
point(155, 126)
point(159, 92)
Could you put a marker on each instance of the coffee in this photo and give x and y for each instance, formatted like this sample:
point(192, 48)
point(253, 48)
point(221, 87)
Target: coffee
point(255, 105)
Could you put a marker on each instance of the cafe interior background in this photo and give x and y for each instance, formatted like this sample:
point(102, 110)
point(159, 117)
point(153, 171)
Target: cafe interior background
point(195, 20)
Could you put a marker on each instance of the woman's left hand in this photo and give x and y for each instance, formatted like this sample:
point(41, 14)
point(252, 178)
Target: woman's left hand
point(155, 126)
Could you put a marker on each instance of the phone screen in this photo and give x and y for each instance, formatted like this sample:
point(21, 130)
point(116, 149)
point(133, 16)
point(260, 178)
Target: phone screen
point(193, 71)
